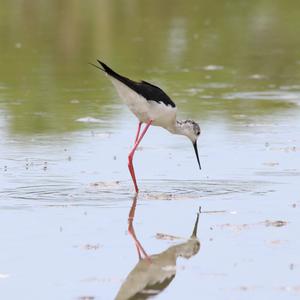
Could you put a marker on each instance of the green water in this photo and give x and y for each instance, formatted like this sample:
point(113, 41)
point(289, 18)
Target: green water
point(200, 52)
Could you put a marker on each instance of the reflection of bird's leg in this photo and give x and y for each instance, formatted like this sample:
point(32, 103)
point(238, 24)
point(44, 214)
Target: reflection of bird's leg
point(138, 245)
point(131, 218)
point(131, 231)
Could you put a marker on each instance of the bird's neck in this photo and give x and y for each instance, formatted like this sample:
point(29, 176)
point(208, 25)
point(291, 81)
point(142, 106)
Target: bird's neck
point(177, 128)
point(182, 249)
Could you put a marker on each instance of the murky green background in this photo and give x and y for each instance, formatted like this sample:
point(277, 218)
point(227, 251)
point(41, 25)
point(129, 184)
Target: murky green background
point(46, 47)
point(234, 66)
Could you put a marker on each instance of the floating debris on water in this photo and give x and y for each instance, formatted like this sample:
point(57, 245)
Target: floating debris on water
point(239, 227)
point(88, 247)
point(105, 184)
point(215, 212)
point(91, 247)
point(163, 236)
point(275, 223)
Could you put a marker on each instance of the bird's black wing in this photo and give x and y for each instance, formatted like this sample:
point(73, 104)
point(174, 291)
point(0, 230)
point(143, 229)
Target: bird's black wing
point(153, 92)
point(143, 88)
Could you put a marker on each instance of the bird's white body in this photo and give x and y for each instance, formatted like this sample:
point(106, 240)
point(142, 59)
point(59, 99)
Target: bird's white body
point(161, 115)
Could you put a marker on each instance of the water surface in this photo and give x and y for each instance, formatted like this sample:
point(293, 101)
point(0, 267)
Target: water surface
point(65, 191)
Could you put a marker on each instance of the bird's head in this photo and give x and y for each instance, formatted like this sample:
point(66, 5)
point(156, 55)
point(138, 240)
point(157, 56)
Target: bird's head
point(191, 129)
point(192, 246)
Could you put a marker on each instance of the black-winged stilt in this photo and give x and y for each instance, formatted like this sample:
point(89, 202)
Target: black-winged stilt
point(152, 106)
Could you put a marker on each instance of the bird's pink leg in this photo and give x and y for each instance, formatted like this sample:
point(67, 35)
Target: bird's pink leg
point(138, 132)
point(130, 156)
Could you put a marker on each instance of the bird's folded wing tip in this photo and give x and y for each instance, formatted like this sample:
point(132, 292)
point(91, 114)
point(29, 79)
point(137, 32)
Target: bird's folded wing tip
point(102, 64)
point(96, 66)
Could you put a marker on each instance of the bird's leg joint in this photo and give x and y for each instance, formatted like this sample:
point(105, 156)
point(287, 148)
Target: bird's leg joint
point(130, 158)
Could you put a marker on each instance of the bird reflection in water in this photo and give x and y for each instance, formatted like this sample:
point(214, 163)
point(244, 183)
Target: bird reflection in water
point(154, 273)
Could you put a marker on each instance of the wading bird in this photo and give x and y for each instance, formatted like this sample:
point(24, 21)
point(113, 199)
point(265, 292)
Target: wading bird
point(152, 106)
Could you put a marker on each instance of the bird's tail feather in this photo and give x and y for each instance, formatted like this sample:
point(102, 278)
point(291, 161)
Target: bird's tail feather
point(104, 68)
point(108, 70)
point(113, 74)
point(97, 67)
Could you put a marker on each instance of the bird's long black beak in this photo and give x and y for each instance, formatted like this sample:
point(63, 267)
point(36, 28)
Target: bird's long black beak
point(197, 155)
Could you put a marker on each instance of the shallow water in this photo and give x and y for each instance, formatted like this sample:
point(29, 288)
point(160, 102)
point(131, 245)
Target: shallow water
point(65, 191)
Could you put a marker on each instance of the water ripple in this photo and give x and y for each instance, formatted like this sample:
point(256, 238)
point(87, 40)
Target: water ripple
point(111, 194)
